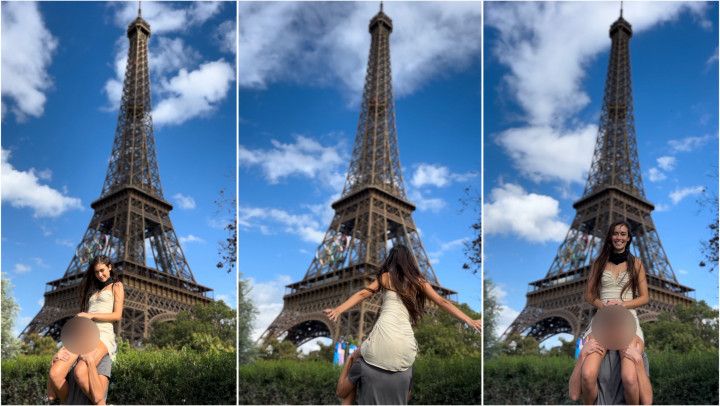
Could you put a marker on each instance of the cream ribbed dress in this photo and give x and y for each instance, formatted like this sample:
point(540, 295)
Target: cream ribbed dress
point(610, 289)
point(391, 344)
point(103, 303)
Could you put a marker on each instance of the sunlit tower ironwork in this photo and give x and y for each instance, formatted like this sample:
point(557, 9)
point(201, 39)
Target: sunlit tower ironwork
point(130, 223)
point(614, 191)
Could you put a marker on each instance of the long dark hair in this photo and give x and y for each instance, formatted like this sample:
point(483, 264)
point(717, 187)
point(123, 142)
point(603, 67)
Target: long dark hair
point(596, 270)
point(406, 279)
point(88, 286)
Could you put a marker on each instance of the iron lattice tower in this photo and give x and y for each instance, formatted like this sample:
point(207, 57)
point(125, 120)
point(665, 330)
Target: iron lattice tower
point(372, 215)
point(130, 224)
point(614, 191)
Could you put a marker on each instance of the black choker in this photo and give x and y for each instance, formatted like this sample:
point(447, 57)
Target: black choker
point(618, 257)
point(100, 285)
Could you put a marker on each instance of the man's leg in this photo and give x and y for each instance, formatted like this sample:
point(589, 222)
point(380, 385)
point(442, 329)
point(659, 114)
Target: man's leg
point(629, 374)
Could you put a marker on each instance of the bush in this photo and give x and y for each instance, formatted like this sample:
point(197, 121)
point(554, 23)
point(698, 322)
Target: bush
point(436, 381)
point(138, 377)
point(677, 378)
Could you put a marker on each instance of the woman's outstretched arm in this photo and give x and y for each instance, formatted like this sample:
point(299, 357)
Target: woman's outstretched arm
point(449, 307)
point(359, 296)
point(119, 295)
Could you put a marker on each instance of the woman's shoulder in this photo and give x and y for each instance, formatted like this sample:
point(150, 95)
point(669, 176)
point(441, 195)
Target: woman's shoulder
point(118, 286)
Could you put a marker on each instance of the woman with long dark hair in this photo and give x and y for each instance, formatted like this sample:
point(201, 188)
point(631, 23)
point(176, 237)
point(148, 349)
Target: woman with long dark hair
point(617, 278)
point(101, 300)
point(391, 344)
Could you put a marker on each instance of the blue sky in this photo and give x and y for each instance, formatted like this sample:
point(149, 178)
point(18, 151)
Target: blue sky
point(299, 106)
point(545, 67)
point(63, 65)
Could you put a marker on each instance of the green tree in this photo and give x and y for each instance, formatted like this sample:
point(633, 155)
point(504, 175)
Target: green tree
point(227, 249)
point(10, 344)
point(692, 327)
point(273, 349)
point(35, 344)
point(473, 248)
point(709, 247)
point(213, 319)
point(491, 313)
point(565, 348)
point(440, 334)
point(324, 353)
point(517, 344)
point(246, 315)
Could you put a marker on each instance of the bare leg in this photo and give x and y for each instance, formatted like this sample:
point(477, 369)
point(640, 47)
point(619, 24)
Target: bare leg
point(589, 373)
point(629, 376)
point(81, 369)
point(57, 385)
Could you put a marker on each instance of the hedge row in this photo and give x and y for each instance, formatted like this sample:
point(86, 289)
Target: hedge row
point(436, 381)
point(138, 377)
point(677, 378)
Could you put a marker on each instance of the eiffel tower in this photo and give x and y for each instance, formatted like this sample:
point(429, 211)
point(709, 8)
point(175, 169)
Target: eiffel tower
point(614, 191)
point(130, 224)
point(372, 214)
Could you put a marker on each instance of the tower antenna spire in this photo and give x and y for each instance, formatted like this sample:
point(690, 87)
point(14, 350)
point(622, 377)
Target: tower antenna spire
point(381, 6)
point(621, 8)
point(139, 8)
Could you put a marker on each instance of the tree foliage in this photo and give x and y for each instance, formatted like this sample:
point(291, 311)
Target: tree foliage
point(35, 344)
point(273, 349)
point(473, 248)
point(227, 249)
point(491, 313)
point(517, 344)
point(442, 335)
point(692, 327)
point(10, 344)
point(246, 313)
point(196, 327)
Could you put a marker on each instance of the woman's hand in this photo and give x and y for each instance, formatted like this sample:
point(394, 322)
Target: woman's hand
point(62, 355)
point(88, 357)
point(612, 302)
point(85, 315)
point(332, 314)
point(476, 324)
point(592, 346)
point(632, 352)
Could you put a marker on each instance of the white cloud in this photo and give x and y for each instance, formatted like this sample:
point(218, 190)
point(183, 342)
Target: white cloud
point(226, 36)
point(65, 243)
point(165, 17)
point(27, 50)
point(533, 217)
point(187, 86)
point(306, 226)
point(437, 175)
point(446, 247)
point(546, 69)
point(21, 268)
point(267, 297)
point(666, 163)
point(546, 153)
point(191, 238)
point(424, 203)
point(305, 157)
point(185, 202)
point(713, 58)
point(193, 94)
point(23, 189)
point(329, 43)
point(688, 144)
point(656, 175)
point(40, 262)
point(679, 194)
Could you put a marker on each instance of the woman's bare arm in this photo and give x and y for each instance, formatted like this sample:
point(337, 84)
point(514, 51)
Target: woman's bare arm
point(449, 307)
point(644, 297)
point(590, 294)
point(359, 296)
point(118, 304)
